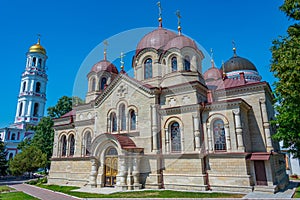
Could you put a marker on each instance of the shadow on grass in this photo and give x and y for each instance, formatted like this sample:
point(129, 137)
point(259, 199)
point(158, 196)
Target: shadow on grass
point(139, 194)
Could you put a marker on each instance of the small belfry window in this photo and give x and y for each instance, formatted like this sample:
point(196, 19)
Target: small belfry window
point(35, 109)
point(187, 64)
point(24, 86)
point(72, 145)
point(38, 87)
point(148, 68)
point(219, 135)
point(93, 86)
point(175, 137)
point(20, 109)
point(103, 83)
point(174, 64)
point(33, 61)
point(13, 136)
point(113, 121)
point(39, 62)
point(132, 116)
point(63, 142)
point(123, 117)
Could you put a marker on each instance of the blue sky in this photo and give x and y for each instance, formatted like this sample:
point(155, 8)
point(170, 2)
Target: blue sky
point(71, 30)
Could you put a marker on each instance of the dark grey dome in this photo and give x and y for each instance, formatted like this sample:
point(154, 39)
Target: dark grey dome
point(237, 63)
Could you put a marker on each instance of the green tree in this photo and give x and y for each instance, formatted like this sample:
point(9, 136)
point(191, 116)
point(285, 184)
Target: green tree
point(43, 137)
point(29, 160)
point(3, 162)
point(63, 106)
point(286, 67)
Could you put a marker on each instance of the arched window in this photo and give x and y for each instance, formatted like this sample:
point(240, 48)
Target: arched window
point(175, 137)
point(174, 64)
point(148, 68)
point(113, 120)
point(132, 116)
point(20, 109)
point(103, 83)
point(88, 143)
point(13, 136)
point(39, 62)
point(24, 86)
point(36, 109)
point(72, 144)
point(11, 155)
point(219, 135)
point(187, 64)
point(111, 152)
point(122, 117)
point(33, 61)
point(38, 87)
point(63, 142)
point(93, 86)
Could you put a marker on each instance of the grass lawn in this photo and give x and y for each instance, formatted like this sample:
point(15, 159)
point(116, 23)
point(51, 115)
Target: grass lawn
point(7, 193)
point(140, 194)
point(297, 193)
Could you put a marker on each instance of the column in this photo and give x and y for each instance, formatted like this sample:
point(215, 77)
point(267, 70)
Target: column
point(266, 123)
point(210, 146)
point(154, 128)
point(122, 173)
point(135, 172)
point(227, 136)
point(129, 172)
point(29, 109)
point(238, 129)
point(196, 133)
point(194, 64)
point(94, 173)
point(95, 125)
point(167, 140)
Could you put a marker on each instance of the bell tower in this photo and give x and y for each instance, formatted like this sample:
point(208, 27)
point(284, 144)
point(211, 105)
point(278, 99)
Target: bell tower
point(32, 94)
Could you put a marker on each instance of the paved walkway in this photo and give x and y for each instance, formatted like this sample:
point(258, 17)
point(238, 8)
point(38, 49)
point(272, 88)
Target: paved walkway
point(41, 193)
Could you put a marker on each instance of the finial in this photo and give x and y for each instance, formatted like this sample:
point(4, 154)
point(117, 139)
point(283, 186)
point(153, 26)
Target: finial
point(105, 43)
point(159, 13)
point(122, 61)
point(233, 48)
point(223, 69)
point(212, 58)
point(39, 38)
point(179, 24)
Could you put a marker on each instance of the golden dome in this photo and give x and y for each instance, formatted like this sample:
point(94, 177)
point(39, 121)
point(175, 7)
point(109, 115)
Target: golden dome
point(37, 48)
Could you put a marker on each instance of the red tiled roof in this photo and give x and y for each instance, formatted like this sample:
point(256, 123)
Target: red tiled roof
point(68, 114)
point(124, 140)
point(227, 83)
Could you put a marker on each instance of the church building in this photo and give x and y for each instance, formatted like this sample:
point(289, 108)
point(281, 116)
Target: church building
point(170, 126)
point(31, 100)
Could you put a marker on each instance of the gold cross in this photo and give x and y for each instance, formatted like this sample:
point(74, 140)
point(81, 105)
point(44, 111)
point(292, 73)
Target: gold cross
point(159, 9)
point(105, 43)
point(178, 16)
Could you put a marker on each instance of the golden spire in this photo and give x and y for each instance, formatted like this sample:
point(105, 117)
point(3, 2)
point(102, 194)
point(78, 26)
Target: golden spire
point(179, 23)
point(212, 58)
point(105, 43)
point(159, 13)
point(122, 61)
point(234, 48)
point(39, 38)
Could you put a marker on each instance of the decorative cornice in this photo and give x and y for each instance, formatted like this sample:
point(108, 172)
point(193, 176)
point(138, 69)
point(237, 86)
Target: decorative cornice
point(232, 104)
point(87, 158)
point(179, 109)
point(85, 122)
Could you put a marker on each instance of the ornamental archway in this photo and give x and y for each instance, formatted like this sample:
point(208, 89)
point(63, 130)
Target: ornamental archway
point(110, 167)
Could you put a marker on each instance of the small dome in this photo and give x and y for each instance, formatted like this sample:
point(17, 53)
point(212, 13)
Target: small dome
point(237, 63)
point(155, 39)
point(179, 42)
point(212, 74)
point(37, 48)
point(104, 65)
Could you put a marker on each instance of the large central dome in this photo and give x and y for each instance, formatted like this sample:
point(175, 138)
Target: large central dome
point(155, 39)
